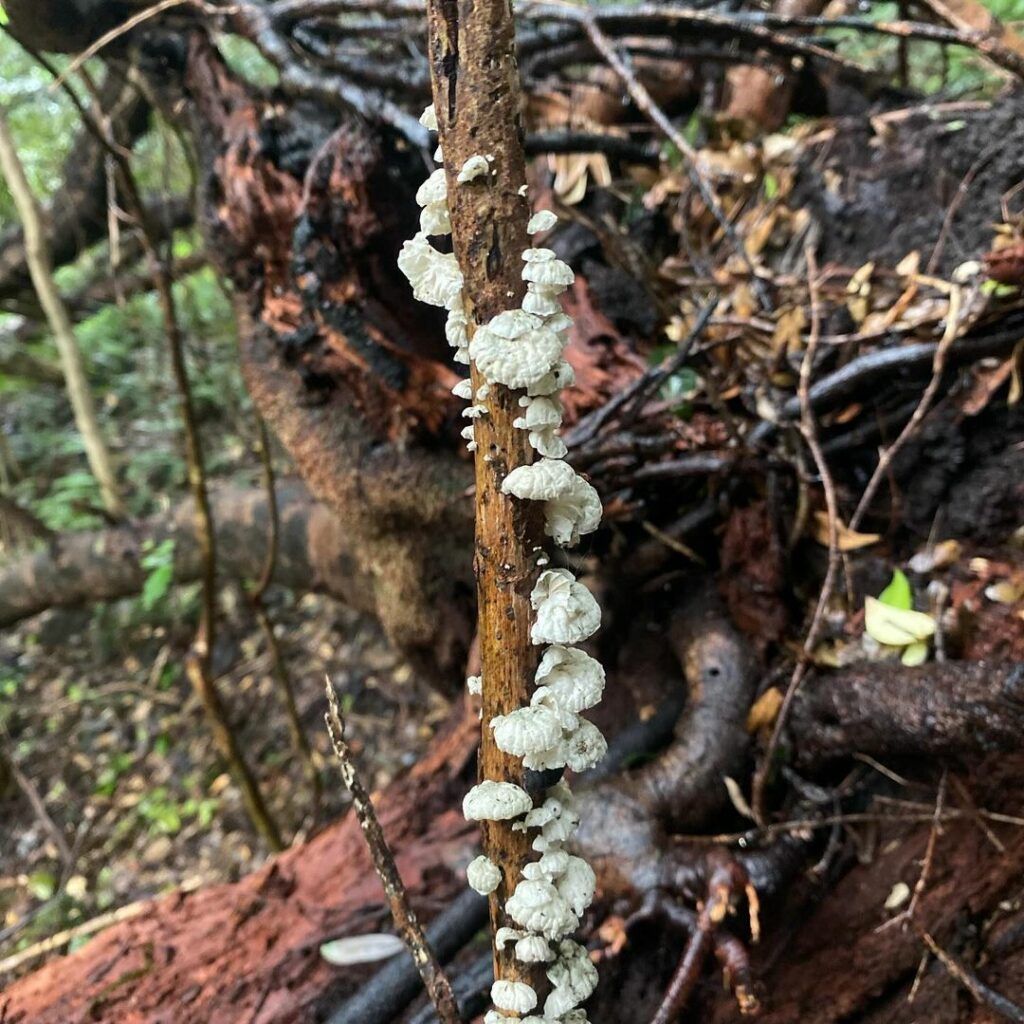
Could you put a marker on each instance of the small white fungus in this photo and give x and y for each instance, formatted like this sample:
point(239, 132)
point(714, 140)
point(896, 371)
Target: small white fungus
point(483, 875)
point(515, 996)
point(495, 801)
point(534, 949)
point(542, 220)
point(526, 730)
point(472, 169)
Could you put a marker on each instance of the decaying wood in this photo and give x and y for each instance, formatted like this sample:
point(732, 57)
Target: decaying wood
point(78, 569)
point(477, 102)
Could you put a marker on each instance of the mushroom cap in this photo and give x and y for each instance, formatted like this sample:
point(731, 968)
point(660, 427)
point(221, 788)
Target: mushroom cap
point(542, 220)
point(464, 389)
point(435, 276)
point(584, 747)
point(573, 513)
point(562, 375)
point(434, 219)
point(508, 352)
point(537, 906)
point(526, 730)
point(570, 679)
point(566, 611)
point(576, 885)
point(539, 255)
point(541, 301)
point(473, 168)
point(515, 996)
point(540, 481)
point(495, 801)
point(483, 875)
point(429, 118)
point(456, 329)
point(551, 273)
point(513, 323)
point(434, 189)
point(534, 949)
point(573, 979)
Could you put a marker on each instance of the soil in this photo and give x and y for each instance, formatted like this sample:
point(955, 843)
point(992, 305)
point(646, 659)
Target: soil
point(882, 188)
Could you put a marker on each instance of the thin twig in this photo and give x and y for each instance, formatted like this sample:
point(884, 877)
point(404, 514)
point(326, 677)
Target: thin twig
point(809, 430)
point(434, 978)
point(300, 741)
point(887, 455)
point(35, 799)
point(52, 942)
point(981, 992)
point(907, 916)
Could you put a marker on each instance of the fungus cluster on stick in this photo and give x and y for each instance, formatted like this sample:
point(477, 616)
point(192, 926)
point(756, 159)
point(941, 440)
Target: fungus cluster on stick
point(521, 349)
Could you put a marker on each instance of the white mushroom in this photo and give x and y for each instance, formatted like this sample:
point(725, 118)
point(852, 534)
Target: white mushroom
point(503, 936)
point(566, 611)
point(576, 885)
point(571, 505)
point(495, 801)
point(434, 219)
point(573, 979)
point(483, 875)
point(434, 189)
point(573, 513)
point(542, 418)
point(584, 746)
point(561, 376)
point(554, 863)
point(435, 277)
point(464, 389)
point(549, 273)
point(456, 329)
point(495, 1017)
point(542, 220)
point(429, 118)
point(515, 349)
point(539, 255)
point(526, 730)
point(542, 301)
point(538, 907)
point(515, 996)
point(473, 168)
point(474, 686)
point(569, 679)
point(534, 949)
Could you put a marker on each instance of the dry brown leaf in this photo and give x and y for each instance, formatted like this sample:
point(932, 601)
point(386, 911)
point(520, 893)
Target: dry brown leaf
point(765, 710)
point(849, 540)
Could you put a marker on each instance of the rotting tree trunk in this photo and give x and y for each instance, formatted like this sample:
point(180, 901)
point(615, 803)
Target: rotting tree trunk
point(316, 553)
point(477, 101)
point(37, 257)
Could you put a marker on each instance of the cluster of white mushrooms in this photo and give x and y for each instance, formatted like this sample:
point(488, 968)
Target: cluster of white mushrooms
point(522, 350)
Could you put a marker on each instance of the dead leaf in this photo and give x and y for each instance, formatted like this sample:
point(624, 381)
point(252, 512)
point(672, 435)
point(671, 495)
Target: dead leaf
point(849, 540)
point(765, 710)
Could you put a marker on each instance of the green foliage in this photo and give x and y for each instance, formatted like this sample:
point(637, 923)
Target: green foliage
point(898, 594)
point(158, 561)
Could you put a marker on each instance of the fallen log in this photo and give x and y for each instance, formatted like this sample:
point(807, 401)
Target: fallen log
point(248, 951)
point(84, 568)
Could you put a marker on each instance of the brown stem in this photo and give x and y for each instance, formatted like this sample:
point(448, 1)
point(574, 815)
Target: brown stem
point(300, 742)
point(477, 98)
point(809, 430)
point(434, 979)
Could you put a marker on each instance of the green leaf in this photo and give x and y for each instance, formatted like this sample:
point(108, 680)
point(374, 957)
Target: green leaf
point(895, 627)
point(158, 582)
point(42, 885)
point(897, 594)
